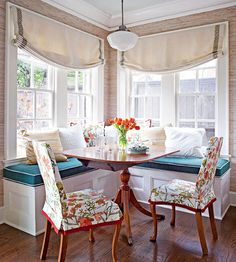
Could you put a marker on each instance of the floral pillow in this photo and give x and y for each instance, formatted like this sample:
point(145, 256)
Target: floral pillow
point(91, 132)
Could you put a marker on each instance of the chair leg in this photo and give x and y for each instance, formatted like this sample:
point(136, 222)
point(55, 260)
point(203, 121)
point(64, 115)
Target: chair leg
point(172, 222)
point(63, 247)
point(91, 236)
point(154, 216)
point(201, 233)
point(46, 238)
point(114, 242)
point(212, 220)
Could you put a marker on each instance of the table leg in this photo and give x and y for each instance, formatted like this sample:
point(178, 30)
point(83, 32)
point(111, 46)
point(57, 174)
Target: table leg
point(134, 201)
point(124, 197)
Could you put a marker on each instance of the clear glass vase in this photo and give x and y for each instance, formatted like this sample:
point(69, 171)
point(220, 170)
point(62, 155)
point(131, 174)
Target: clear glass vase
point(122, 142)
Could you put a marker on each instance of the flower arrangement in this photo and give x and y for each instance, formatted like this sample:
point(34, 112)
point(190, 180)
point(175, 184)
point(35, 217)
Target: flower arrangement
point(91, 132)
point(123, 126)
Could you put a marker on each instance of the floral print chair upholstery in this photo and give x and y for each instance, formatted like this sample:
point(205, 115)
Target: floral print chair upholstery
point(71, 212)
point(196, 197)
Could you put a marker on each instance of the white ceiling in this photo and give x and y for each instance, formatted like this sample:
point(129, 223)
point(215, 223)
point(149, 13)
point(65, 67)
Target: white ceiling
point(107, 13)
point(113, 7)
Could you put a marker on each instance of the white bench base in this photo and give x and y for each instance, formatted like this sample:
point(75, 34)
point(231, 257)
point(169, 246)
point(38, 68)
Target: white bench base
point(23, 204)
point(143, 180)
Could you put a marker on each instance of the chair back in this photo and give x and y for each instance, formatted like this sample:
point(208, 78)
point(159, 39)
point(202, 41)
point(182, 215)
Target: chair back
point(55, 193)
point(206, 174)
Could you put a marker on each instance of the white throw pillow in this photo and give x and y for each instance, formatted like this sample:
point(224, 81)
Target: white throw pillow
point(72, 137)
point(187, 140)
point(51, 137)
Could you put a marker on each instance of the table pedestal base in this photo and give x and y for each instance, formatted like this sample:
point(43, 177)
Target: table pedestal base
point(124, 197)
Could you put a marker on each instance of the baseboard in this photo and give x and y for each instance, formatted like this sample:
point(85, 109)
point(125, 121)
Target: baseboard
point(2, 220)
point(21, 228)
point(232, 198)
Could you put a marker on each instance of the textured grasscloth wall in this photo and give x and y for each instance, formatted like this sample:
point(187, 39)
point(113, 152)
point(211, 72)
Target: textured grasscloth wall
point(221, 15)
point(45, 9)
point(110, 69)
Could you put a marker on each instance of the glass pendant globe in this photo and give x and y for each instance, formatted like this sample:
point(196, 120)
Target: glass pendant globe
point(122, 40)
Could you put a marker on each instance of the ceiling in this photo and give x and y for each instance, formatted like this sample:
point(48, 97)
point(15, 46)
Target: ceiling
point(107, 13)
point(113, 7)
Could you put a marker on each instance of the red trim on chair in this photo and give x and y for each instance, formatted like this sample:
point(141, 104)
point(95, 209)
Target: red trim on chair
point(67, 232)
point(183, 206)
point(86, 228)
point(52, 223)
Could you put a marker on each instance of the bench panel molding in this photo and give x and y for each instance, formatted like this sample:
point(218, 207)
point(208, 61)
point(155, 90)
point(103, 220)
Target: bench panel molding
point(31, 199)
point(156, 177)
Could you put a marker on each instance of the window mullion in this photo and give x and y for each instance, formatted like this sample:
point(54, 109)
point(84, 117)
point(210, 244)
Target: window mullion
point(196, 97)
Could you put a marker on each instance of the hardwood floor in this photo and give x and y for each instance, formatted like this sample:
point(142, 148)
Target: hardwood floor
point(177, 244)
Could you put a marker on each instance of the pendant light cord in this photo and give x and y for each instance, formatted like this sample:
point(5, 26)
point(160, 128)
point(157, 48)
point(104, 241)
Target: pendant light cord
point(122, 11)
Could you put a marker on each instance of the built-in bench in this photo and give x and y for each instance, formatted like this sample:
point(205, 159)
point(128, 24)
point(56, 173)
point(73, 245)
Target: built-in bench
point(24, 193)
point(30, 175)
point(159, 171)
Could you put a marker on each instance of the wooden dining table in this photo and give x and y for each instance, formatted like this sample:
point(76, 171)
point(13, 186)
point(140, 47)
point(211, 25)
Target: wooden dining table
point(116, 160)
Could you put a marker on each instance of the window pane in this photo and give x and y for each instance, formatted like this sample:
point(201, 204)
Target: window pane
point(207, 80)
point(84, 81)
point(186, 107)
point(153, 107)
point(25, 124)
point(138, 77)
point(156, 123)
point(211, 63)
point(187, 81)
point(23, 74)
point(72, 106)
point(25, 104)
point(71, 81)
point(42, 124)
point(40, 77)
point(210, 128)
point(137, 107)
point(186, 124)
point(85, 107)
point(138, 88)
point(43, 105)
point(81, 80)
point(206, 107)
point(153, 84)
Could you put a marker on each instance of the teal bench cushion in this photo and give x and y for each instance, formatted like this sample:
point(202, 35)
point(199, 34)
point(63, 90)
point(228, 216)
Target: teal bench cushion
point(185, 164)
point(30, 174)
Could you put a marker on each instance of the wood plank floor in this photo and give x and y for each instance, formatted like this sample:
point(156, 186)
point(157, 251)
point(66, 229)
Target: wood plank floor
point(177, 244)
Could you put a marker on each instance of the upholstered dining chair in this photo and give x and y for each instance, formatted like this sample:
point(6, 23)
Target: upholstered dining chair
point(72, 212)
point(196, 197)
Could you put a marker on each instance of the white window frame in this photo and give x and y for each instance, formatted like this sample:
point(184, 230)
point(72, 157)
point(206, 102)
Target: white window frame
point(51, 81)
point(168, 100)
point(145, 97)
point(195, 94)
point(80, 118)
point(60, 93)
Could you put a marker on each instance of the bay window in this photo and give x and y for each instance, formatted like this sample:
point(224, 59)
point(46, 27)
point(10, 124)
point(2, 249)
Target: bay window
point(47, 97)
point(195, 98)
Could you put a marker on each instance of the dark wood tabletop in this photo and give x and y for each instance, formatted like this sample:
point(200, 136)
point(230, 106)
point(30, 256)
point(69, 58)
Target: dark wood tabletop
point(119, 157)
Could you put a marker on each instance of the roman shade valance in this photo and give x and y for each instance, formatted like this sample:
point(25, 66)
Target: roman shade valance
point(176, 50)
point(55, 42)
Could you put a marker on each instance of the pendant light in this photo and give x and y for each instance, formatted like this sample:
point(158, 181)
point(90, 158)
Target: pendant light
point(122, 39)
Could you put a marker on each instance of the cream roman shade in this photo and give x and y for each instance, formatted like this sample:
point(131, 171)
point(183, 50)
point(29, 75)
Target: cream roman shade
point(176, 50)
point(55, 42)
